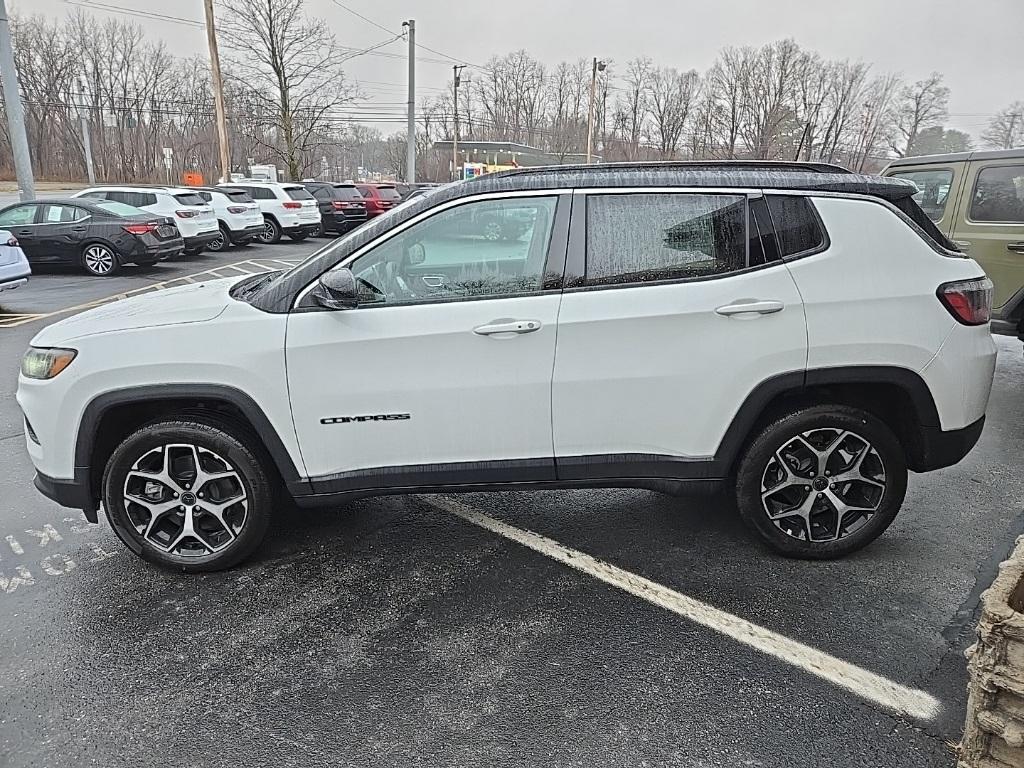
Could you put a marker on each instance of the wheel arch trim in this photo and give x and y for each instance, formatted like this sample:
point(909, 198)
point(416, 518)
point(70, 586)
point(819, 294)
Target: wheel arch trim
point(92, 416)
point(795, 382)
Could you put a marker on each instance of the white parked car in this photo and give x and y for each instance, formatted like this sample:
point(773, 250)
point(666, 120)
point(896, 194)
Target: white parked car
point(801, 334)
point(14, 268)
point(238, 216)
point(192, 215)
point(288, 209)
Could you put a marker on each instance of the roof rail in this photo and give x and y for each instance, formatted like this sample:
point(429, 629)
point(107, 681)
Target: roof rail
point(689, 165)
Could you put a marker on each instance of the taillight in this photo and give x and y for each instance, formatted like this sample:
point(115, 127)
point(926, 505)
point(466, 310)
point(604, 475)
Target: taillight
point(338, 205)
point(292, 206)
point(186, 214)
point(237, 209)
point(139, 229)
point(969, 301)
point(13, 242)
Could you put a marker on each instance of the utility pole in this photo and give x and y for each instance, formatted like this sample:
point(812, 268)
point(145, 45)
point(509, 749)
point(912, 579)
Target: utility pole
point(83, 116)
point(456, 79)
point(15, 117)
point(218, 94)
point(410, 140)
point(598, 67)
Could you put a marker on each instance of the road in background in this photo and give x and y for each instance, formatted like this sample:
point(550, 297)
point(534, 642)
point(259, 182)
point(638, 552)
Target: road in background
point(390, 631)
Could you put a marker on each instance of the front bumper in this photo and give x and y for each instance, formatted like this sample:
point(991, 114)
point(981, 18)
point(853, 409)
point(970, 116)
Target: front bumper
point(939, 449)
point(69, 493)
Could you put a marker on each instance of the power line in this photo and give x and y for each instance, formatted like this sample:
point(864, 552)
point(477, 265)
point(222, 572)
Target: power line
point(359, 15)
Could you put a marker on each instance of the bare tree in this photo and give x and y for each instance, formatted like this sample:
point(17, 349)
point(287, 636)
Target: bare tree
point(920, 105)
point(631, 107)
point(728, 80)
point(512, 93)
point(292, 64)
point(767, 99)
point(671, 95)
point(1006, 129)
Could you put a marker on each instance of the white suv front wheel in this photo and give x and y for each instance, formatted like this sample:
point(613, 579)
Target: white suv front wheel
point(822, 482)
point(188, 495)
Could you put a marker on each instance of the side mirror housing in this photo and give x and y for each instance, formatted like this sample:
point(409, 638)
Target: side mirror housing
point(336, 290)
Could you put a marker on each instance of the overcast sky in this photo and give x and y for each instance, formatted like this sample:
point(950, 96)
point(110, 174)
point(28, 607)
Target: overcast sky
point(976, 44)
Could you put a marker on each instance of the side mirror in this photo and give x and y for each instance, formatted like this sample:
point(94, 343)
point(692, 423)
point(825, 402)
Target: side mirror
point(336, 290)
point(417, 254)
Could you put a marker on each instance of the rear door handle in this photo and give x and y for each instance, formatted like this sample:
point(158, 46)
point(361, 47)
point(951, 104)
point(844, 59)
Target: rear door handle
point(507, 326)
point(963, 245)
point(756, 307)
point(1015, 247)
point(79, 229)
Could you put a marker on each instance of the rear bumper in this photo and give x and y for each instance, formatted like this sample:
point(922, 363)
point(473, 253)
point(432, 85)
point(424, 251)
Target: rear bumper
point(940, 449)
point(151, 250)
point(302, 229)
point(201, 240)
point(340, 222)
point(246, 234)
point(68, 493)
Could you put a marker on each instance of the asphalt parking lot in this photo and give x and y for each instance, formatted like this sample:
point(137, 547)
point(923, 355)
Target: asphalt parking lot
point(562, 628)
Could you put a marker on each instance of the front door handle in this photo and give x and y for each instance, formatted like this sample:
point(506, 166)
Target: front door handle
point(79, 229)
point(1015, 247)
point(963, 245)
point(748, 306)
point(507, 326)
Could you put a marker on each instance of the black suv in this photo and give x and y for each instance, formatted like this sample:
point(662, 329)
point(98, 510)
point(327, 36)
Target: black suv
point(342, 207)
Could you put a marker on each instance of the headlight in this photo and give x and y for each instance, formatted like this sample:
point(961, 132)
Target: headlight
point(45, 363)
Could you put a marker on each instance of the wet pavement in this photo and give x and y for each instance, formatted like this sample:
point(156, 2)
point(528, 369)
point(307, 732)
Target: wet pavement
point(391, 631)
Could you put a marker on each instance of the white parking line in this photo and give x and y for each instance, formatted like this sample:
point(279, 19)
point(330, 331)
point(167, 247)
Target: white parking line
point(892, 696)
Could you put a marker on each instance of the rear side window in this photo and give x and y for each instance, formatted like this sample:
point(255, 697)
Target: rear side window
point(298, 193)
point(933, 190)
point(189, 198)
point(647, 237)
point(62, 214)
point(999, 195)
point(389, 193)
point(797, 228)
point(136, 199)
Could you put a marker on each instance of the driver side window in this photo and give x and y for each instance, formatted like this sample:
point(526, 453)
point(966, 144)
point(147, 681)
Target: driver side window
point(479, 249)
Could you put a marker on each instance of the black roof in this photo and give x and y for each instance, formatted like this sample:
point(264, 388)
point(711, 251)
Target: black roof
point(813, 177)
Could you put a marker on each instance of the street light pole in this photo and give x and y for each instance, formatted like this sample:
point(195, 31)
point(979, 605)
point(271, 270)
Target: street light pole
point(410, 139)
point(83, 116)
point(456, 79)
point(218, 94)
point(15, 116)
point(598, 67)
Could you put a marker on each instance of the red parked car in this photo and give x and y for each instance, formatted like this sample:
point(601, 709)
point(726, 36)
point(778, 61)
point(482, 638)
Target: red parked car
point(380, 198)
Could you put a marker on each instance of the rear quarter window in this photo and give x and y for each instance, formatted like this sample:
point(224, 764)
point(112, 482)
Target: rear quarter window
point(796, 224)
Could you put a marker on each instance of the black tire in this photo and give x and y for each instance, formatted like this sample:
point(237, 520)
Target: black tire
point(271, 234)
point(800, 484)
point(214, 443)
point(222, 243)
point(298, 237)
point(322, 231)
point(100, 260)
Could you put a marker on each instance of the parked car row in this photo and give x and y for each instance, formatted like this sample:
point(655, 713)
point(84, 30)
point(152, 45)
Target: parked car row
point(104, 227)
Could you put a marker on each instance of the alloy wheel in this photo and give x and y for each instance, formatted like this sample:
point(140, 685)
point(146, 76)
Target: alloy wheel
point(219, 244)
point(185, 500)
point(99, 259)
point(823, 485)
point(267, 235)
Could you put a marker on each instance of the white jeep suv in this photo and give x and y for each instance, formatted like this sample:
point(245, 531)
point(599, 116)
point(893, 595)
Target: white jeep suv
point(239, 218)
point(193, 216)
point(288, 209)
point(800, 333)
